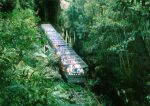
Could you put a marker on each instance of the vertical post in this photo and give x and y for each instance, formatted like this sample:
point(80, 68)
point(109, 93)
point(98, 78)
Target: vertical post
point(67, 36)
point(74, 35)
point(70, 41)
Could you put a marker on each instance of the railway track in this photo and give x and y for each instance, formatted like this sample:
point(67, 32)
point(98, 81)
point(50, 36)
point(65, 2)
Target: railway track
point(73, 69)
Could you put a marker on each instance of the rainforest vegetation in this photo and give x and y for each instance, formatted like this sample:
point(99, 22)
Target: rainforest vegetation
point(112, 36)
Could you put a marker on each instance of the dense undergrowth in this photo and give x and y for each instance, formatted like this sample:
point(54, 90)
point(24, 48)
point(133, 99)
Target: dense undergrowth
point(29, 75)
point(114, 38)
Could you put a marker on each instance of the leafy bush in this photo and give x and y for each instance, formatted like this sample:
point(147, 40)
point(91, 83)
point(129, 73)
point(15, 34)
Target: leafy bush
point(9, 5)
point(18, 30)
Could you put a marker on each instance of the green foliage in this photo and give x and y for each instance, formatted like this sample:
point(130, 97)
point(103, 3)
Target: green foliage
point(7, 5)
point(16, 38)
point(18, 24)
point(114, 38)
point(27, 4)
